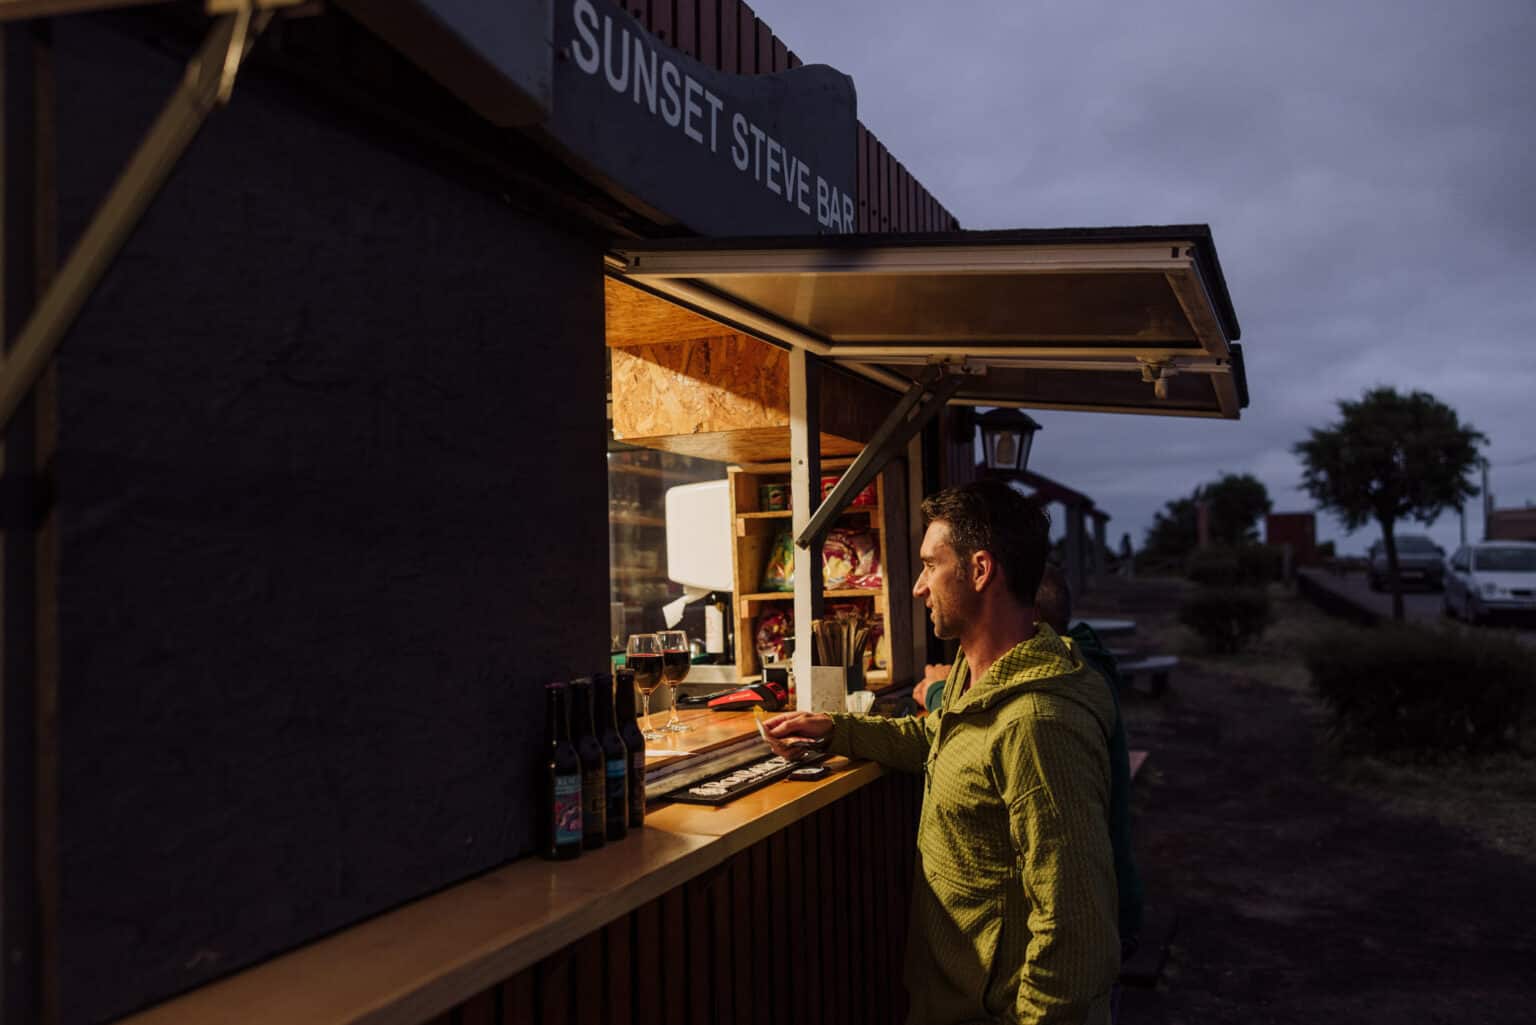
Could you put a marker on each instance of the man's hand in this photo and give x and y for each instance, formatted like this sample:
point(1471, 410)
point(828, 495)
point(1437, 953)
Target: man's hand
point(932, 673)
point(812, 725)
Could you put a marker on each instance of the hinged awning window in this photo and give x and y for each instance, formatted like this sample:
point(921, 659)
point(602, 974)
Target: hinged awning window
point(1133, 320)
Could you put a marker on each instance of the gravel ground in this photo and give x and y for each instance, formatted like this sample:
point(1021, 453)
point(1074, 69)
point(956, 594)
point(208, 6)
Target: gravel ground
point(1309, 888)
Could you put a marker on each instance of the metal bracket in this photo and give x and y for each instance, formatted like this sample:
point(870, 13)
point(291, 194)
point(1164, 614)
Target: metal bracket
point(207, 84)
point(1156, 373)
point(924, 398)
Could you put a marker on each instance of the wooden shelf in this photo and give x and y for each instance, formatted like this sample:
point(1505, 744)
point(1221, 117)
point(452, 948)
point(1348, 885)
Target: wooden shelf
point(636, 520)
point(841, 592)
point(784, 514)
point(752, 546)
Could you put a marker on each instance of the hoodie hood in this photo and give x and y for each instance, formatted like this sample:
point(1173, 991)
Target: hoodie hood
point(1047, 663)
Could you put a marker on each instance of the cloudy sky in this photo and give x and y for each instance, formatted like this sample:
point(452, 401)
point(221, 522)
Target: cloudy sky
point(1368, 169)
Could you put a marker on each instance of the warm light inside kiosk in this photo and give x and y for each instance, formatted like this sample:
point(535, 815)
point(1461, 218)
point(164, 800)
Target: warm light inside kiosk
point(1131, 320)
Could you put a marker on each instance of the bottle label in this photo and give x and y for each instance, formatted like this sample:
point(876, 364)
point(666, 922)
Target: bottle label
point(593, 807)
point(567, 810)
point(618, 780)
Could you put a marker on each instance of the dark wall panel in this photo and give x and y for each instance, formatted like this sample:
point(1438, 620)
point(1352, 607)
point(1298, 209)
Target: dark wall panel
point(333, 507)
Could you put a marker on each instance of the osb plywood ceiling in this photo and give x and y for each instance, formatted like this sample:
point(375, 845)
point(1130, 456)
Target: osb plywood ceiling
point(635, 317)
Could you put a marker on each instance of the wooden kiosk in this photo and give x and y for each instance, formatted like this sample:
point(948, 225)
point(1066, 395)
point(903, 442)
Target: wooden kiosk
point(307, 307)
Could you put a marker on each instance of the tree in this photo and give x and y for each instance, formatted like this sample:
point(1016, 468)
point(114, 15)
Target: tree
point(1236, 502)
point(1173, 533)
point(1391, 457)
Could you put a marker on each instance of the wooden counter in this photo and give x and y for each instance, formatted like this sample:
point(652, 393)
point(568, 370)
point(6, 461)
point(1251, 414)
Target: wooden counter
point(604, 938)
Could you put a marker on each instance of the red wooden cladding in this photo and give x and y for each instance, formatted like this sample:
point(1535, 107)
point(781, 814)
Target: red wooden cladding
point(519, 1000)
point(479, 1011)
point(794, 60)
point(861, 140)
point(765, 43)
point(780, 52)
point(908, 202)
point(806, 926)
point(661, 21)
point(552, 986)
point(888, 221)
point(685, 26)
point(709, 33)
point(746, 40)
point(641, 9)
point(730, 23)
point(675, 974)
point(647, 956)
point(619, 970)
point(587, 999)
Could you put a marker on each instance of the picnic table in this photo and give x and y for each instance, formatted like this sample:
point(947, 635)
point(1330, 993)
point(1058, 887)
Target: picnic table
point(1109, 627)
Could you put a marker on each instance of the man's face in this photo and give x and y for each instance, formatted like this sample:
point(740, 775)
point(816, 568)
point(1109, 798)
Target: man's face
point(945, 582)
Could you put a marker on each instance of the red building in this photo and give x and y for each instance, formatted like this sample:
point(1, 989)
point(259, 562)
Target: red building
point(1299, 530)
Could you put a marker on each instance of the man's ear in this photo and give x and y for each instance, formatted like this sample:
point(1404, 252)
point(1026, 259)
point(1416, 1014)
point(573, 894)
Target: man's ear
point(984, 570)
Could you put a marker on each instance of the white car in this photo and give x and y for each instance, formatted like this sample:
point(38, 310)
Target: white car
point(1494, 576)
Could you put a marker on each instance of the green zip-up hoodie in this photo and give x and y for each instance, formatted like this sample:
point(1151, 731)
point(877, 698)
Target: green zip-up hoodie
point(1013, 906)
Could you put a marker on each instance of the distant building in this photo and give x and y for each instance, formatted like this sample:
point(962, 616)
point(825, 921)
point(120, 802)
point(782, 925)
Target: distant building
point(1299, 530)
point(1511, 525)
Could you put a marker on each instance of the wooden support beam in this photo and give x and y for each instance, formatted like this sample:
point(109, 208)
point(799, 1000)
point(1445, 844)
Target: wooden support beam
point(805, 495)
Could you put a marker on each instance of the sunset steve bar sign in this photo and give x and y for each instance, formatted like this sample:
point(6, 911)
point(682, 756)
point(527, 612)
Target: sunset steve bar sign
point(723, 154)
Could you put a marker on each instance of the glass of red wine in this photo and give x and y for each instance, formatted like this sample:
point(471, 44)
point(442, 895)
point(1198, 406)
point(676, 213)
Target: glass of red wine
point(643, 657)
point(676, 660)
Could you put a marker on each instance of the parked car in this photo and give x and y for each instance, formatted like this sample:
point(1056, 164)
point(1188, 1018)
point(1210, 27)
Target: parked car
point(1494, 576)
point(1419, 561)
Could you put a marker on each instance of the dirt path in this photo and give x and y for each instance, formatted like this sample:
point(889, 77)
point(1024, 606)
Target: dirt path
point(1302, 897)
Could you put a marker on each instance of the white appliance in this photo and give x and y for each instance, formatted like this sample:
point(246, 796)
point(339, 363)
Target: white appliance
point(699, 552)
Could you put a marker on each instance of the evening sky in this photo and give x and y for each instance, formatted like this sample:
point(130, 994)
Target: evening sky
point(1367, 170)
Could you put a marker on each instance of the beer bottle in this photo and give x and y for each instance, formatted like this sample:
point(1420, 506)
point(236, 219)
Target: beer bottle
point(615, 757)
point(594, 814)
point(561, 798)
point(634, 741)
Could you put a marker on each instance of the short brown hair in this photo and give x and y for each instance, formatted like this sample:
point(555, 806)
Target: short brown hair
point(990, 516)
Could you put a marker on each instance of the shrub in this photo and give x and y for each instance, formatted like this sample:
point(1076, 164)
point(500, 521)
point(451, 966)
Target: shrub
point(1407, 690)
point(1226, 618)
point(1214, 567)
point(1259, 564)
point(1241, 566)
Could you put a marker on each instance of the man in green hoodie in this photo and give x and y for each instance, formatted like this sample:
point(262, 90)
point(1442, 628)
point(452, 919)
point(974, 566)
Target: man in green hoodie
point(1053, 605)
point(1014, 901)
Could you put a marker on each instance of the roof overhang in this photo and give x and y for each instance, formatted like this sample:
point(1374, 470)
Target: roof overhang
point(1129, 320)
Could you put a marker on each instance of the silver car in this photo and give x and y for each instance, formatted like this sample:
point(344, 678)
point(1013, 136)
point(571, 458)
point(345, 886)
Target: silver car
point(1491, 577)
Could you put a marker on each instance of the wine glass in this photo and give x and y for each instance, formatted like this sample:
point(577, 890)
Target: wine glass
point(675, 662)
point(643, 657)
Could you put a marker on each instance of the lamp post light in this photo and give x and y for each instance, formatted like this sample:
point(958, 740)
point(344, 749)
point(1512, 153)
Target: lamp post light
point(1006, 437)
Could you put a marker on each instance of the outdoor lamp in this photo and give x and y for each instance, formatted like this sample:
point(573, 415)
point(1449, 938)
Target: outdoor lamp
point(1006, 435)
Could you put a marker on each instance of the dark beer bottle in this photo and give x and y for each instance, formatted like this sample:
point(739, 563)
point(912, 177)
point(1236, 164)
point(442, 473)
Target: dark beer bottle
point(561, 798)
point(624, 702)
point(594, 814)
point(615, 757)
